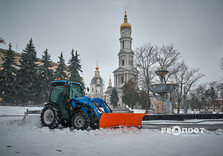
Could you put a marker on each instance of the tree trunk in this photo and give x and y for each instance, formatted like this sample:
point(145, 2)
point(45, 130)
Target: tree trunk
point(214, 105)
point(148, 103)
point(147, 107)
point(178, 107)
point(131, 106)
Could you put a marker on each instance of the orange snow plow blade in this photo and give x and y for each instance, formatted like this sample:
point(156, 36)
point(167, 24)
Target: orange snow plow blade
point(121, 119)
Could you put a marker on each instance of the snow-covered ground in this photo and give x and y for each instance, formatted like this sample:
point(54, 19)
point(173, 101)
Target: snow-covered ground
point(16, 110)
point(192, 121)
point(29, 138)
point(139, 110)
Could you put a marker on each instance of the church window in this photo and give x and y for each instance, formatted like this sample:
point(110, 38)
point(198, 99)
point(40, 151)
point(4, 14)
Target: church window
point(92, 89)
point(122, 80)
point(123, 62)
point(123, 45)
point(131, 60)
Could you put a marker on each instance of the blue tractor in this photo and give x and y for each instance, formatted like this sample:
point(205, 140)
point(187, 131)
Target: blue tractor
point(69, 107)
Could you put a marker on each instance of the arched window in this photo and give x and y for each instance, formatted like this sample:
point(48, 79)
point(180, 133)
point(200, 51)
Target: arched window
point(122, 80)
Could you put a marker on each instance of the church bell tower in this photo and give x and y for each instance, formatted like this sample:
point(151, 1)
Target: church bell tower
point(126, 69)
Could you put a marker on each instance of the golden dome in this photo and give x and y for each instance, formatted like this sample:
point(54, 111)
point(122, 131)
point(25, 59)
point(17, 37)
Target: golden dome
point(125, 24)
point(97, 68)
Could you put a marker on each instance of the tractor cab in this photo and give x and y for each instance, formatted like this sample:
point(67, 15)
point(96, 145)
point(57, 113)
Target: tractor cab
point(61, 93)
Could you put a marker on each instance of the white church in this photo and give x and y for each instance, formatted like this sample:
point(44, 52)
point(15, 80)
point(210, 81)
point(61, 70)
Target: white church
point(97, 85)
point(123, 73)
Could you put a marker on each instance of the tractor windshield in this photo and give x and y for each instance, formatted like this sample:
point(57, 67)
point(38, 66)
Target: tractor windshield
point(58, 93)
point(75, 91)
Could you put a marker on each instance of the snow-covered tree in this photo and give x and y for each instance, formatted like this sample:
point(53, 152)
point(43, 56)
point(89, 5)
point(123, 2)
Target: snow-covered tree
point(61, 69)
point(46, 76)
point(28, 75)
point(74, 67)
point(8, 83)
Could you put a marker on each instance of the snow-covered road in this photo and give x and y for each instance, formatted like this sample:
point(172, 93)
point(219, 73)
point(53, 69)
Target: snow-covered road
point(28, 138)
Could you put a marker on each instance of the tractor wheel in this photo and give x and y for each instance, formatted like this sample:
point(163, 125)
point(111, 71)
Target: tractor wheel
point(50, 117)
point(66, 123)
point(80, 121)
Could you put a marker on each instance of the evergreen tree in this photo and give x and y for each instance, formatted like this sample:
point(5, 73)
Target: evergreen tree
point(46, 76)
point(28, 76)
point(8, 84)
point(143, 99)
point(114, 98)
point(61, 69)
point(130, 93)
point(74, 68)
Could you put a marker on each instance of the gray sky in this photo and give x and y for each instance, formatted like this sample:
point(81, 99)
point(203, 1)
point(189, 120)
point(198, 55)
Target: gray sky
point(194, 27)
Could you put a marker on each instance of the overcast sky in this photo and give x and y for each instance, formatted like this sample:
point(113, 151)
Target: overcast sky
point(92, 27)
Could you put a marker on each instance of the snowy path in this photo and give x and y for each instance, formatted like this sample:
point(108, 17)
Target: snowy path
point(18, 138)
point(27, 138)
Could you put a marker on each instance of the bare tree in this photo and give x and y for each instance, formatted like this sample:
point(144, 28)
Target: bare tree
point(198, 97)
point(2, 41)
point(201, 90)
point(220, 88)
point(222, 67)
point(168, 57)
point(185, 77)
point(222, 63)
point(145, 60)
point(194, 101)
point(215, 92)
